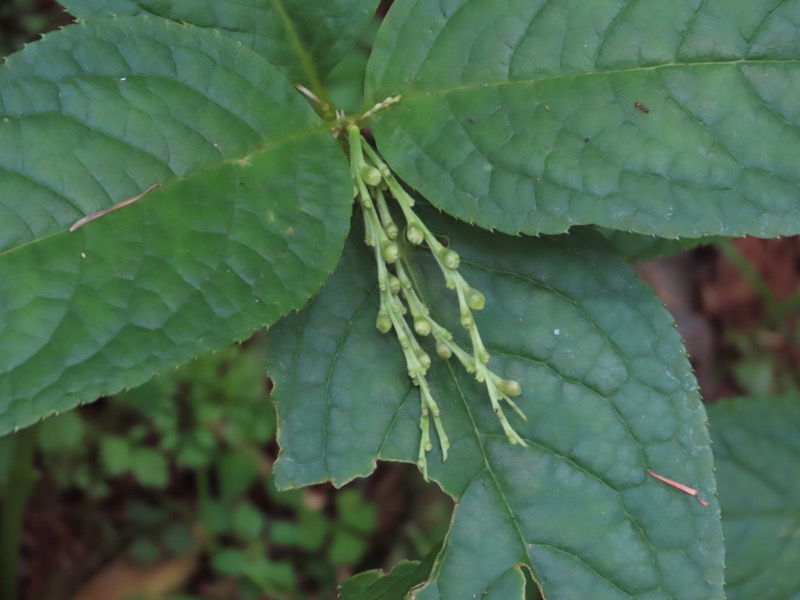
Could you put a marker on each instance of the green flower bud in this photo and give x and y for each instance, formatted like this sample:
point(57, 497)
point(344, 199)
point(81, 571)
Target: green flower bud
point(424, 359)
point(422, 326)
point(415, 234)
point(370, 175)
point(510, 387)
point(391, 230)
point(383, 323)
point(394, 285)
point(466, 320)
point(389, 251)
point(443, 350)
point(449, 258)
point(475, 300)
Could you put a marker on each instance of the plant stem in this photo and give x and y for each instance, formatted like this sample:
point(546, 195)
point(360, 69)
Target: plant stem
point(21, 478)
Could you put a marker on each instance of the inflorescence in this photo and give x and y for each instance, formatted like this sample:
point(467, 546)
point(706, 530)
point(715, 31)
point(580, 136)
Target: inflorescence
point(401, 307)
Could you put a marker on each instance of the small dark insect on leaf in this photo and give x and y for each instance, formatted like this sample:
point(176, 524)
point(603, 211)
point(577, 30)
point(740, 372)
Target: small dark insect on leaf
point(641, 107)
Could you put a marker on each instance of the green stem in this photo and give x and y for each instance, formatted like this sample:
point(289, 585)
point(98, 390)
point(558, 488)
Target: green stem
point(306, 60)
point(21, 478)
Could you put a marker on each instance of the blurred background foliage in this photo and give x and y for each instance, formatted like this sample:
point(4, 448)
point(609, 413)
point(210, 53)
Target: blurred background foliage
point(22, 21)
point(168, 487)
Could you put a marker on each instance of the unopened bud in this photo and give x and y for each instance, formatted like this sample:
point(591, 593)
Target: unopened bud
point(510, 387)
point(394, 285)
point(443, 350)
point(383, 323)
point(475, 300)
point(370, 175)
point(424, 359)
point(415, 234)
point(391, 230)
point(422, 326)
point(449, 258)
point(389, 251)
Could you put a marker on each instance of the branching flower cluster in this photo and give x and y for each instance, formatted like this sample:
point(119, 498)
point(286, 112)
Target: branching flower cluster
point(401, 307)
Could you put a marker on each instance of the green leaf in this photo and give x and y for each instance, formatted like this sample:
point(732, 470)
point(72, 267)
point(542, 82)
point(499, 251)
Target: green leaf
point(63, 435)
point(757, 454)
point(115, 453)
point(308, 534)
point(522, 116)
point(303, 39)
point(236, 472)
point(247, 521)
point(346, 548)
point(607, 391)
point(249, 221)
point(149, 467)
point(354, 512)
point(178, 538)
point(395, 585)
point(635, 247)
point(144, 551)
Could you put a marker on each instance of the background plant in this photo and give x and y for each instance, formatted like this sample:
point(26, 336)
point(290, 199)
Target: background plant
point(208, 422)
point(670, 121)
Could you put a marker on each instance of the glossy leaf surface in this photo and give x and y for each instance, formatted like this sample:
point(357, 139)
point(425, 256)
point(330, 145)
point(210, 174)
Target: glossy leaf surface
point(678, 120)
point(249, 220)
point(607, 391)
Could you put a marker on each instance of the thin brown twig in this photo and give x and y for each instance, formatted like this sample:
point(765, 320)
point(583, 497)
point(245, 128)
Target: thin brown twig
point(105, 211)
point(684, 488)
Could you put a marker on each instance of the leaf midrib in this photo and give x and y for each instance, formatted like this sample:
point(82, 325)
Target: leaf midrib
point(297, 45)
point(412, 94)
point(479, 436)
